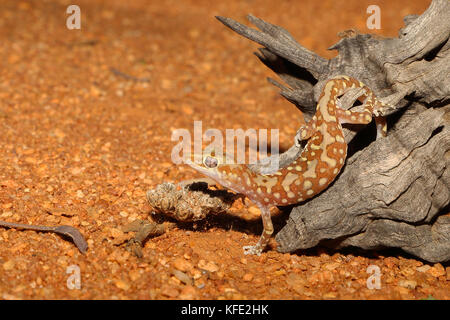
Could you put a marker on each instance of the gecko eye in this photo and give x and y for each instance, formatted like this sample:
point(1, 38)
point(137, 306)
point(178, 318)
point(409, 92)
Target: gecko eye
point(210, 162)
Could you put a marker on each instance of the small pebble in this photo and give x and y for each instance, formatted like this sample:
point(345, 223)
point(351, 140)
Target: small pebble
point(248, 277)
point(409, 284)
point(208, 266)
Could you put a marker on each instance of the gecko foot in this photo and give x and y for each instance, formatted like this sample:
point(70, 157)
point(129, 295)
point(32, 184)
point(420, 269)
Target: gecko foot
point(302, 135)
point(256, 250)
point(298, 139)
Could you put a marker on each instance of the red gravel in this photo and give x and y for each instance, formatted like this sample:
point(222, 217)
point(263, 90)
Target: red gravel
point(81, 146)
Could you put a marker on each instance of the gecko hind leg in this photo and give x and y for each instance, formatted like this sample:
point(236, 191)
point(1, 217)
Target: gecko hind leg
point(363, 117)
point(373, 110)
point(266, 234)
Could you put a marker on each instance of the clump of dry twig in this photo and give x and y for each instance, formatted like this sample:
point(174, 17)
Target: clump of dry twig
point(191, 202)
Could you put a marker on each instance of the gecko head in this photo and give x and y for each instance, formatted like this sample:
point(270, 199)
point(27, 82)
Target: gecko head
point(217, 168)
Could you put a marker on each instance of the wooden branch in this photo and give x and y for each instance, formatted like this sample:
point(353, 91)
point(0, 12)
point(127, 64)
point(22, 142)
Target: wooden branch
point(420, 36)
point(380, 189)
point(278, 41)
point(416, 62)
point(302, 99)
point(393, 192)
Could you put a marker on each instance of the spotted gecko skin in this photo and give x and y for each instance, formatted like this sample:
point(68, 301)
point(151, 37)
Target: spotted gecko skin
point(317, 166)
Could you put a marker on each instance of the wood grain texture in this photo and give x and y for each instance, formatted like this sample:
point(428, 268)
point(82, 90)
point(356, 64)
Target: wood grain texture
point(393, 192)
point(384, 198)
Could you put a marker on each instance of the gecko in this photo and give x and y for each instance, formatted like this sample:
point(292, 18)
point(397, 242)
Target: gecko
point(319, 163)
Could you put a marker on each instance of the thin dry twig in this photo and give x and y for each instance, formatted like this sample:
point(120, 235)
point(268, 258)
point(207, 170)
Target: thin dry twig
point(127, 76)
point(63, 230)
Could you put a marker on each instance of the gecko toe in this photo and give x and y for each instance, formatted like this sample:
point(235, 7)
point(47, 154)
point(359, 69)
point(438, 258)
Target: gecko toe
point(297, 140)
point(252, 250)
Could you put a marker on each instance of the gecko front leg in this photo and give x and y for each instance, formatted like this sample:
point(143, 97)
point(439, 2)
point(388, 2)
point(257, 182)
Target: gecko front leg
point(305, 132)
point(266, 234)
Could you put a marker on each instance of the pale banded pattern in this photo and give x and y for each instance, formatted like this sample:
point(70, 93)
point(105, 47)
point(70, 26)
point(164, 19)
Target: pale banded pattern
point(318, 165)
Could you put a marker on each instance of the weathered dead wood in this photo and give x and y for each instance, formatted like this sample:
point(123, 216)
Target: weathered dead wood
point(395, 191)
point(416, 62)
point(385, 198)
